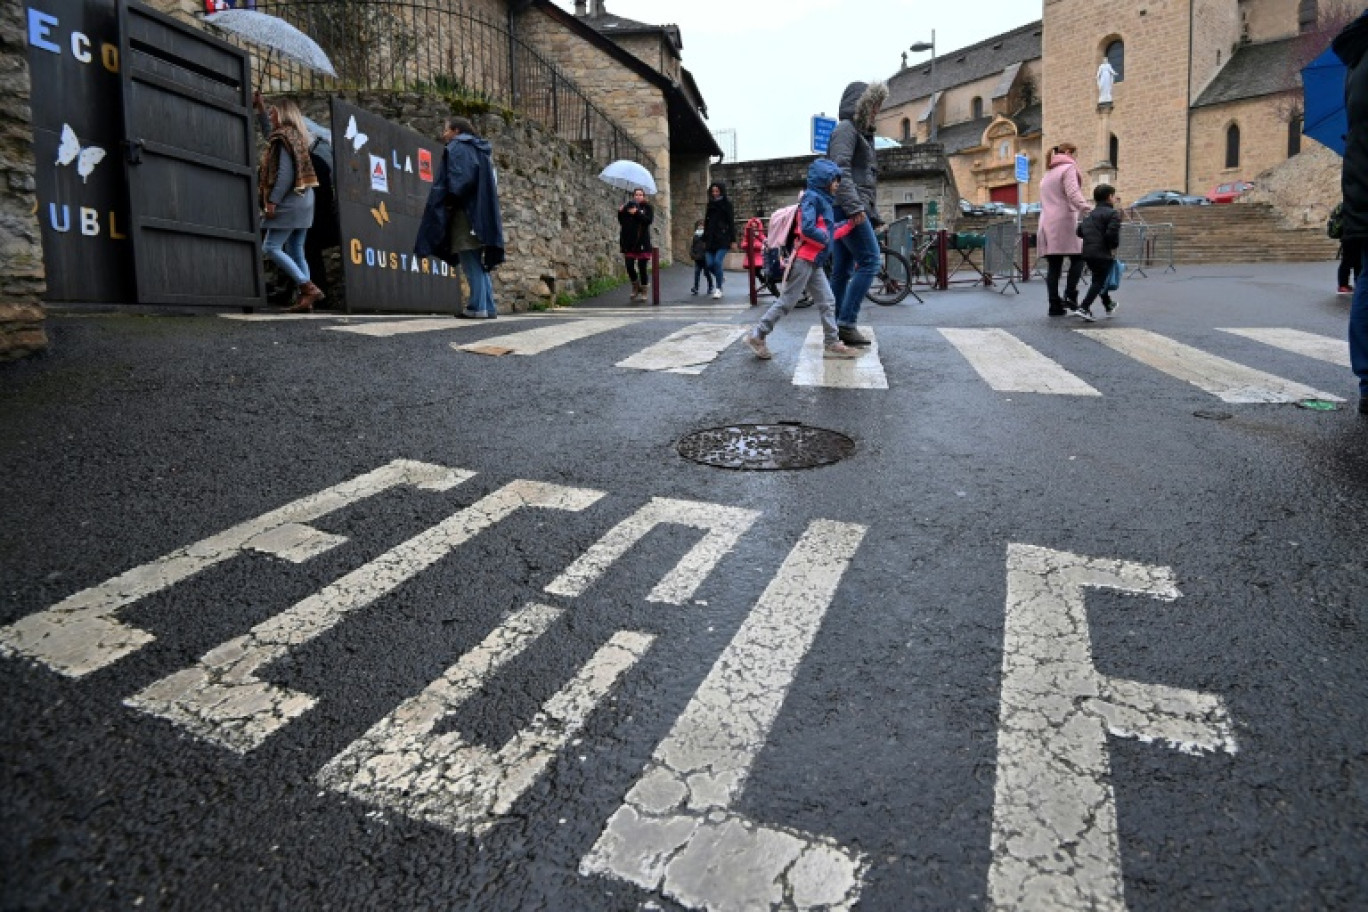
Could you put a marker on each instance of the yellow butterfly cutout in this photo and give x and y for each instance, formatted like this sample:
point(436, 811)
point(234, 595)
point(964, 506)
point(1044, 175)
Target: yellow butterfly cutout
point(380, 214)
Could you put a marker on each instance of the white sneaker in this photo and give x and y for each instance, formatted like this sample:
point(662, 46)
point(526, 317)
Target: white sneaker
point(717, 294)
point(839, 350)
point(757, 345)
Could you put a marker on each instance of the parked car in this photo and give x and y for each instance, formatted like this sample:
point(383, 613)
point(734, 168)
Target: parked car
point(1228, 193)
point(1030, 209)
point(998, 209)
point(1171, 198)
point(968, 208)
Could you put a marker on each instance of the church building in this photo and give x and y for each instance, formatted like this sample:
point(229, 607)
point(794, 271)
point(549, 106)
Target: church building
point(1157, 95)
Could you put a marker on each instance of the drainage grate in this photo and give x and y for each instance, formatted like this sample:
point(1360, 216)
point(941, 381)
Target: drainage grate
point(762, 447)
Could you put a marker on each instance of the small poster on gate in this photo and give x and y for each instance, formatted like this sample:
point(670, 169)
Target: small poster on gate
point(425, 165)
point(379, 177)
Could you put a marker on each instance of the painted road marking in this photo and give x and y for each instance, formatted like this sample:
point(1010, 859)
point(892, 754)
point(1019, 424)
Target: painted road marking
point(686, 351)
point(544, 338)
point(864, 372)
point(80, 634)
point(1227, 380)
point(724, 524)
point(445, 780)
point(404, 327)
point(676, 831)
point(220, 698)
point(664, 312)
point(1323, 348)
point(1054, 841)
point(1011, 366)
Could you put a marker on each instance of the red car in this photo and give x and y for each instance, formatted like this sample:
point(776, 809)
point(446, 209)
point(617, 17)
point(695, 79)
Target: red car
point(1228, 193)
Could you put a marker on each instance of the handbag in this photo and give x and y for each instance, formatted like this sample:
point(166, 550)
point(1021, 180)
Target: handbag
point(1118, 270)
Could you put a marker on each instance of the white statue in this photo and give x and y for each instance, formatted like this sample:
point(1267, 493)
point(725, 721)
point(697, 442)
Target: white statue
point(1105, 77)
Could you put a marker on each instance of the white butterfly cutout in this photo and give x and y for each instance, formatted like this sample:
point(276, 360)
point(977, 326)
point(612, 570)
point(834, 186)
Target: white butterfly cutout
point(70, 151)
point(358, 139)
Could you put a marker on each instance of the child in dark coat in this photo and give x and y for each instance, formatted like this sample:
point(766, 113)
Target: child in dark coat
point(1101, 234)
point(698, 250)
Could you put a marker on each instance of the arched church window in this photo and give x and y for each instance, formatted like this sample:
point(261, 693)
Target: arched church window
point(906, 128)
point(1294, 134)
point(1232, 158)
point(976, 107)
point(1116, 56)
point(1306, 16)
point(1114, 151)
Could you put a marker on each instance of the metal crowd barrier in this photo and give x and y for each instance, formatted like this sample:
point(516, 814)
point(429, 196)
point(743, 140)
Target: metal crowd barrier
point(1001, 251)
point(1145, 246)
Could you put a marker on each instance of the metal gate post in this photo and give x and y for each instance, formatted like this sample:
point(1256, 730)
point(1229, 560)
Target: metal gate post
point(750, 273)
point(1025, 257)
point(942, 260)
point(655, 276)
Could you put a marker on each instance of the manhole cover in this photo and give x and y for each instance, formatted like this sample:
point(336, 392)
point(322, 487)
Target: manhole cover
point(766, 447)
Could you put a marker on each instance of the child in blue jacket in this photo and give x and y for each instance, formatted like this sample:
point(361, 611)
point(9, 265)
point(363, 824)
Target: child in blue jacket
point(818, 231)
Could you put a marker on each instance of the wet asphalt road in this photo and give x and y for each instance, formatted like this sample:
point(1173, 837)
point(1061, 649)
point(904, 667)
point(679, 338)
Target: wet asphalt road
point(138, 436)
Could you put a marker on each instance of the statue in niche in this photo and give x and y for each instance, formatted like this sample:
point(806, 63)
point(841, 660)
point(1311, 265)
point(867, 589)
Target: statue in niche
point(1106, 77)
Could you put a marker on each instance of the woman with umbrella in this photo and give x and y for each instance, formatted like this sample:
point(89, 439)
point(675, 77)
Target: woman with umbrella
point(635, 217)
point(286, 182)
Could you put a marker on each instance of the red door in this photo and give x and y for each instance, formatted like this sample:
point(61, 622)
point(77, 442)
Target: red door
point(1006, 195)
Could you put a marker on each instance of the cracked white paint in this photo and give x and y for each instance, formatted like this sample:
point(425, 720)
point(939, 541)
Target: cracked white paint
point(1011, 366)
point(442, 779)
point(406, 327)
point(80, 634)
point(544, 338)
point(1054, 841)
point(686, 351)
point(864, 372)
point(1227, 380)
point(676, 831)
point(221, 699)
point(724, 526)
point(1322, 348)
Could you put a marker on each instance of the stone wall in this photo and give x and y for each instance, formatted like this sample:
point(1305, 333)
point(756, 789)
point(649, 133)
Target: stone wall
point(1215, 36)
point(21, 251)
point(654, 50)
point(560, 220)
point(1263, 139)
point(1303, 189)
point(689, 179)
point(629, 99)
point(1264, 20)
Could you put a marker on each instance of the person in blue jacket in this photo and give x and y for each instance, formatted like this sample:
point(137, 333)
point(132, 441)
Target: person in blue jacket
point(462, 222)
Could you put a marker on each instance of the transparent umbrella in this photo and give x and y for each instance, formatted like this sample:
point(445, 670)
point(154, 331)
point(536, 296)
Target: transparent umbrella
point(274, 34)
point(628, 175)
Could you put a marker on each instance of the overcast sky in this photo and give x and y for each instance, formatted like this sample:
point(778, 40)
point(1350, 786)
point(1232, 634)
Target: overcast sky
point(738, 49)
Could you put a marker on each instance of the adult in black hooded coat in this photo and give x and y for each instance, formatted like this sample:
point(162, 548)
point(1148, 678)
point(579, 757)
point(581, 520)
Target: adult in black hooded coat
point(1350, 46)
point(719, 232)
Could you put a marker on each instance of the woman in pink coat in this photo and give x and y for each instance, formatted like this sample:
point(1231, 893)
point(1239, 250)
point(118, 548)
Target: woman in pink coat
point(1061, 205)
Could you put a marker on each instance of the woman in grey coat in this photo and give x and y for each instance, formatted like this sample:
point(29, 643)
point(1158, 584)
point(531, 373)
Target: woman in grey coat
point(286, 186)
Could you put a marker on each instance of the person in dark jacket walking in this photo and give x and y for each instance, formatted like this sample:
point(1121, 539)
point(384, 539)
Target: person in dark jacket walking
point(1350, 46)
point(462, 222)
point(1101, 234)
point(634, 239)
point(855, 260)
point(698, 251)
point(719, 232)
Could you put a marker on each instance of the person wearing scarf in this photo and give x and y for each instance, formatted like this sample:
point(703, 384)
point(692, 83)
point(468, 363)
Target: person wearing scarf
point(285, 185)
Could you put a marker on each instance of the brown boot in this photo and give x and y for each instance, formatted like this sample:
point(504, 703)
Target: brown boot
point(309, 295)
point(636, 290)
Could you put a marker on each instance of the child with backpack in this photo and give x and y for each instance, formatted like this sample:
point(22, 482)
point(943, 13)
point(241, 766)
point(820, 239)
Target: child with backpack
point(817, 232)
point(698, 251)
point(1101, 234)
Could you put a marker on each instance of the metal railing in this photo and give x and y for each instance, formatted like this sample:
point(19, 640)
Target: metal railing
point(437, 48)
point(1144, 246)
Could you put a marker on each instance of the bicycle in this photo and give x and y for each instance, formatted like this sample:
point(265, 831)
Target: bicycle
point(891, 284)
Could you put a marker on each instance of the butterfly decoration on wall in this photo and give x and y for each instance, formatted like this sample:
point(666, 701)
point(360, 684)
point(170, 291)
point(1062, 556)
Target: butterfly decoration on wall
point(70, 150)
point(380, 214)
point(358, 139)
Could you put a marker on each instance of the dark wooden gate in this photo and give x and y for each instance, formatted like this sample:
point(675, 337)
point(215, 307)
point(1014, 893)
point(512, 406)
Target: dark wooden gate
point(190, 159)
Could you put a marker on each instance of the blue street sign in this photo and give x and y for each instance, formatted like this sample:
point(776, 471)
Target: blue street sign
point(1023, 169)
point(822, 128)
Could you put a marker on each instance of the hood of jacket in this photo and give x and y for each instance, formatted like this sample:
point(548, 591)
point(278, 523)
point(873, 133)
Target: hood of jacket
point(821, 173)
point(480, 144)
point(858, 102)
point(1060, 160)
point(1351, 43)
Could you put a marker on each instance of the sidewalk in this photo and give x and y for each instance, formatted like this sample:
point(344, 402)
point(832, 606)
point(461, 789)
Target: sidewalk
point(675, 282)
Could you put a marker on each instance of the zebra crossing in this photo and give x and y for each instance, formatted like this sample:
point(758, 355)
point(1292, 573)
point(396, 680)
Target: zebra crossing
point(998, 357)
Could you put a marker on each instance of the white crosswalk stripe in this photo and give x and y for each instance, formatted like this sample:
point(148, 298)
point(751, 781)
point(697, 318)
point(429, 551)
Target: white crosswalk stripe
point(543, 338)
point(1227, 380)
point(1322, 348)
point(1011, 366)
point(687, 351)
point(406, 327)
point(864, 372)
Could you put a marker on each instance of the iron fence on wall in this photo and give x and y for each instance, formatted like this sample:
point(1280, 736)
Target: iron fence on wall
point(439, 48)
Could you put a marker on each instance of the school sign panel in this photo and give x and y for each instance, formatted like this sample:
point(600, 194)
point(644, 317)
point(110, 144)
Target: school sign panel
point(383, 173)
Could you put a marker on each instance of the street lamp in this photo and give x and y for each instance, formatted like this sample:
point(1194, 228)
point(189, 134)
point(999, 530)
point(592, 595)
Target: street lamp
point(927, 46)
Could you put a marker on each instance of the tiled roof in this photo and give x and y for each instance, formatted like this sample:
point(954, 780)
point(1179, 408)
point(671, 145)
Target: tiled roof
point(608, 24)
point(969, 133)
point(977, 61)
point(1254, 70)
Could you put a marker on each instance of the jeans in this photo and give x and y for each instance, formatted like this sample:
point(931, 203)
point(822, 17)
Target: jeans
point(1055, 266)
point(713, 262)
point(1358, 328)
point(1101, 271)
point(701, 269)
point(481, 289)
point(286, 247)
point(855, 263)
point(803, 277)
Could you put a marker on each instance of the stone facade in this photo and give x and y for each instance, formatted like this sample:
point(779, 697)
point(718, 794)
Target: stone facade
point(560, 220)
point(21, 251)
point(1261, 141)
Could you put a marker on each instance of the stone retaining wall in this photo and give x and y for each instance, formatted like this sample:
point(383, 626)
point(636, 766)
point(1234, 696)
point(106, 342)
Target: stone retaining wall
point(22, 279)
